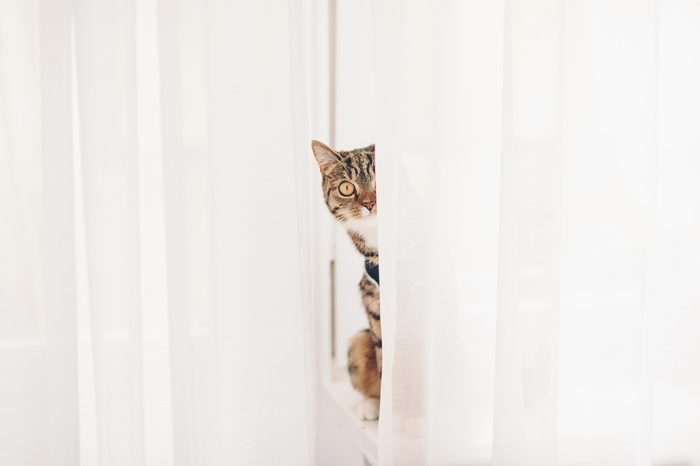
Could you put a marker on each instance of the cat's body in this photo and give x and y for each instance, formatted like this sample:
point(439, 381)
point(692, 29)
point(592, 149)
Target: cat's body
point(349, 188)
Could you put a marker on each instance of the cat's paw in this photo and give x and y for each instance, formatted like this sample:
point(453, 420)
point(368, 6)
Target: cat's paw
point(370, 409)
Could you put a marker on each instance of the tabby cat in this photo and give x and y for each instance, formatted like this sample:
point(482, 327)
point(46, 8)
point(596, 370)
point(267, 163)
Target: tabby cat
point(349, 189)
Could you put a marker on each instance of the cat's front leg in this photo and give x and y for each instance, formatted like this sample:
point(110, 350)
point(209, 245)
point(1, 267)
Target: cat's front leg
point(370, 299)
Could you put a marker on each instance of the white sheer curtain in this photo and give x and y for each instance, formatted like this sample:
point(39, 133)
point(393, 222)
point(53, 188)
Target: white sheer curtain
point(540, 231)
point(191, 148)
point(236, 156)
point(538, 166)
point(38, 363)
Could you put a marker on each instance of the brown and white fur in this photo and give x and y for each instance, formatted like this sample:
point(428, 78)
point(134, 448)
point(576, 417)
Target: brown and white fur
point(357, 213)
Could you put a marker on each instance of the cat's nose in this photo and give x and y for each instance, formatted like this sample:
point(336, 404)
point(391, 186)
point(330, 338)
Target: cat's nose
point(369, 204)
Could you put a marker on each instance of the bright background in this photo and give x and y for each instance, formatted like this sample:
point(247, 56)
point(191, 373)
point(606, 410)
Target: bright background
point(166, 259)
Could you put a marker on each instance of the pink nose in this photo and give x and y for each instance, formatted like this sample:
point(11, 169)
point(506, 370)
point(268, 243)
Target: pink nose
point(369, 204)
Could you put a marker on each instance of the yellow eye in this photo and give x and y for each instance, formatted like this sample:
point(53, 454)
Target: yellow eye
point(346, 189)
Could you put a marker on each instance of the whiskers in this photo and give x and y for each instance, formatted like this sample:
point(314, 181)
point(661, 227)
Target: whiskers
point(342, 217)
point(349, 214)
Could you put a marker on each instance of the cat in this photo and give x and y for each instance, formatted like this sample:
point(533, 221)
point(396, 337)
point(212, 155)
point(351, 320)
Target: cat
point(349, 189)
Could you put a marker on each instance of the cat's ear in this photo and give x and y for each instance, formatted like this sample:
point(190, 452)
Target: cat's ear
point(326, 157)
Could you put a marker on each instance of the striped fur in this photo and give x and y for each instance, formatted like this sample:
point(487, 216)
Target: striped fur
point(358, 215)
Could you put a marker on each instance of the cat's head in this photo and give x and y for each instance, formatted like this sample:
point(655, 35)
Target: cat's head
point(349, 186)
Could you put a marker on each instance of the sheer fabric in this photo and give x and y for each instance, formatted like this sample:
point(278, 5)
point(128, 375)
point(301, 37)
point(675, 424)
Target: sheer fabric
point(191, 149)
point(539, 232)
point(38, 344)
point(537, 167)
point(236, 154)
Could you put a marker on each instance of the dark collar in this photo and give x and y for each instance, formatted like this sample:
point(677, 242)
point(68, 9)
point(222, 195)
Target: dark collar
point(372, 270)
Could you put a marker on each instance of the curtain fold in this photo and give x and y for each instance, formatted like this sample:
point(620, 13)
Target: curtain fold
point(105, 38)
point(235, 141)
point(439, 226)
point(534, 222)
point(38, 344)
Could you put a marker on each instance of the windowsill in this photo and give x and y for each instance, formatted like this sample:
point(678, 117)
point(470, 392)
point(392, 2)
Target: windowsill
point(344, 403)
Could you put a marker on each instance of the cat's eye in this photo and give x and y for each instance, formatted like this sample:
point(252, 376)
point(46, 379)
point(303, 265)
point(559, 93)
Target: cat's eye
point(346, 188)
